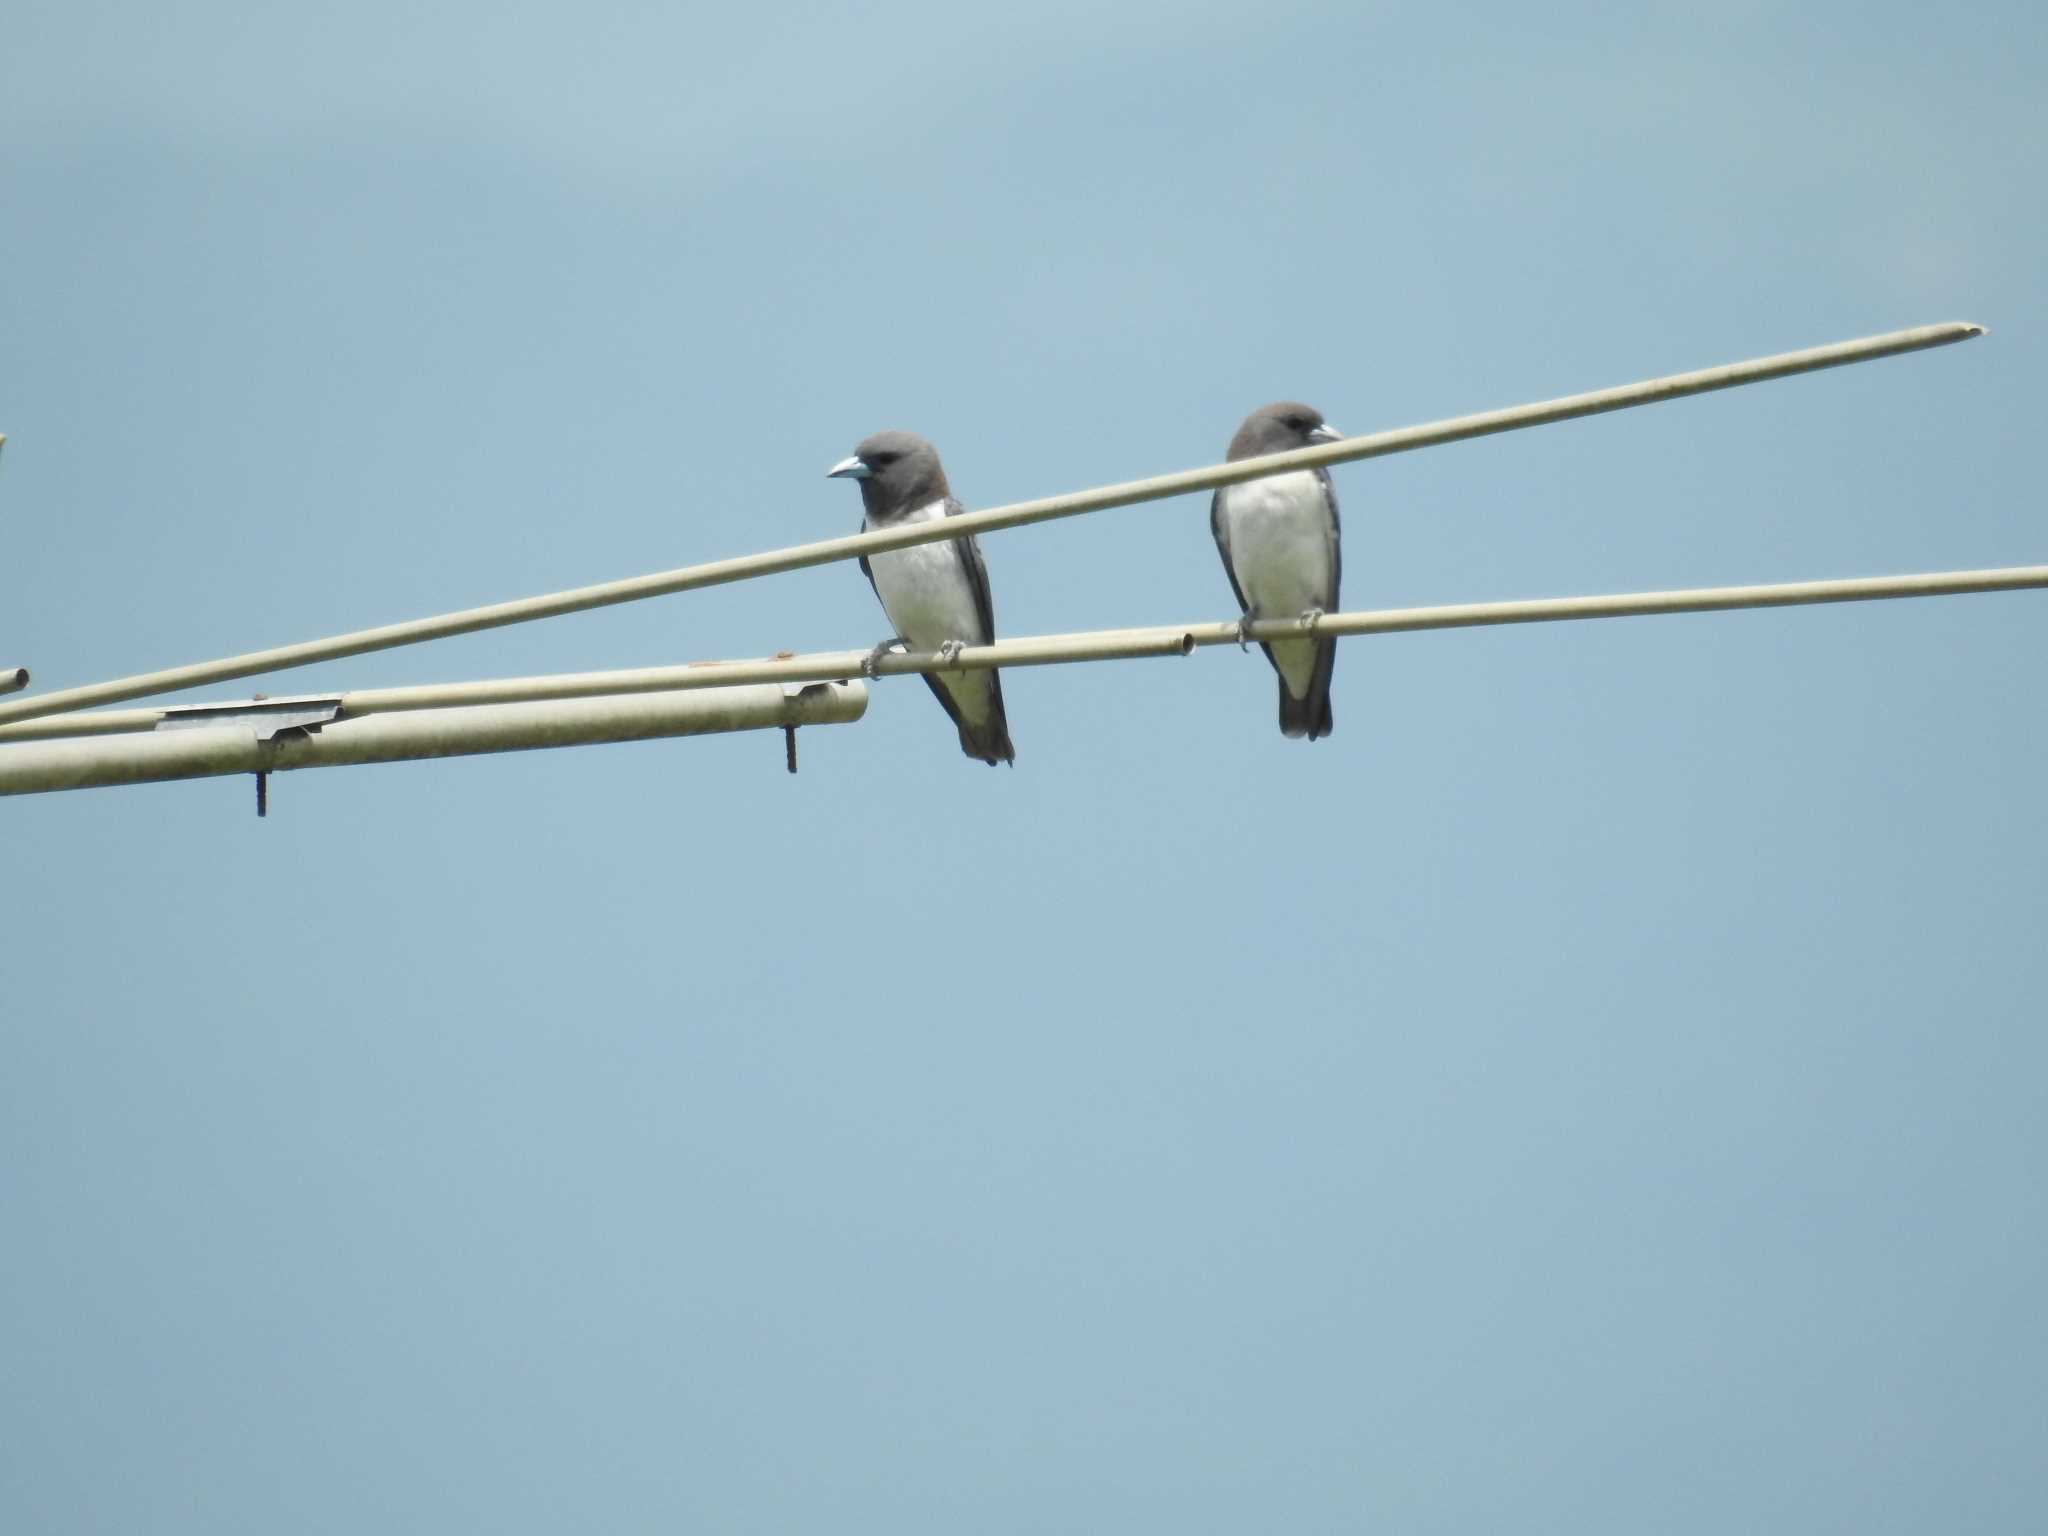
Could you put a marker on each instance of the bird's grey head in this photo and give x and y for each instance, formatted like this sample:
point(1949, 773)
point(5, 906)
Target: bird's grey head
point(898, 472)
point(1280, 426)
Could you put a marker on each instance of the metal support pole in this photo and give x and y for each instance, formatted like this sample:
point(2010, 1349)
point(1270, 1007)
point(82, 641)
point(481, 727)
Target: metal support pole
point(13, 679)
point(1087, 645)
point(1373, 445)
point(210, 750)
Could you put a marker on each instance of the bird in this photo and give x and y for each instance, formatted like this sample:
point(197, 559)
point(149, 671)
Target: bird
point(937, 594)
point(1281, 545)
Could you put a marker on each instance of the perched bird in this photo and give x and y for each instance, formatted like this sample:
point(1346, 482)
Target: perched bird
point(1280, 543)
point(935, 594)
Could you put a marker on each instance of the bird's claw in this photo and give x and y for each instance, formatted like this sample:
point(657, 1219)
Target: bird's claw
point(868, 662)
point(1244, 633)
point(950, 652)
point(1310, 617)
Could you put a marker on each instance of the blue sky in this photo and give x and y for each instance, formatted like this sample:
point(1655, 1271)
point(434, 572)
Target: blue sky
point(1598, 1087)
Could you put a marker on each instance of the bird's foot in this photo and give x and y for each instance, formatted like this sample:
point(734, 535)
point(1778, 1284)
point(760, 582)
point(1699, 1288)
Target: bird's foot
point(950, 652)
point(1310, 618)
point(867, 666)
point(1244, 633)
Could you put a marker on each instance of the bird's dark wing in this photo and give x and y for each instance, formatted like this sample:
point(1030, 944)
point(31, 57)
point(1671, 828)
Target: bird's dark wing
point(1336, 536)
point(864, 563)
point(991, 743)
point(1221, 532)
point(977, 578)
point(1311, 716)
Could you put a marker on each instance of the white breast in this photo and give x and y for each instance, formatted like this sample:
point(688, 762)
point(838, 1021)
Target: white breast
point(1279, 533)
point(925, 590)
point(1282, 554)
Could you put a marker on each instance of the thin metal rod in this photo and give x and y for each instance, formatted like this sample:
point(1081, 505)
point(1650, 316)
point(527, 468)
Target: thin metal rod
point(13, 679)
point(1101, 645)
point(687, 578)
point(208, 751)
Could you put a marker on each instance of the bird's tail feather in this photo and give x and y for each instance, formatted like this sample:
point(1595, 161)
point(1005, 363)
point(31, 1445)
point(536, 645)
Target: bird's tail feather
point(990, 741)
point(991, 744)
point(1310, 716)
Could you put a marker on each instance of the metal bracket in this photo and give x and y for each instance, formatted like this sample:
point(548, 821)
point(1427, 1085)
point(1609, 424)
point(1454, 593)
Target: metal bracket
point(270, 719)
point(794, 691)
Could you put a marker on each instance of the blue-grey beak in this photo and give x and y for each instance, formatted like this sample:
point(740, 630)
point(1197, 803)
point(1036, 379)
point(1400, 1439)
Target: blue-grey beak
point(1326, 434)
point(854, 468)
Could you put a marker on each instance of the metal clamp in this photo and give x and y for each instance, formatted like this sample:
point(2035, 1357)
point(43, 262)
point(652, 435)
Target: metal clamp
point(269, 718)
